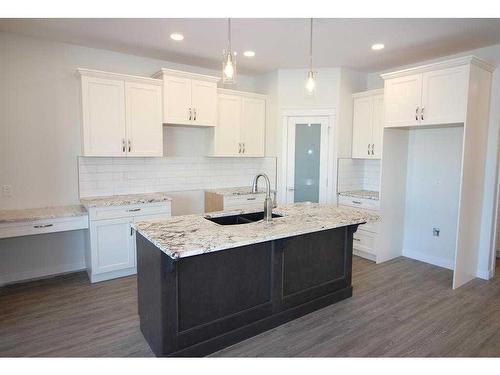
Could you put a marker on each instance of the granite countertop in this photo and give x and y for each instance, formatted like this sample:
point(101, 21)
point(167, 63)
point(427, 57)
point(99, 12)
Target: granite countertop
point(122, 200)
point(366, 194)
point(189, 235)
point(32, 214)
point(242, 190)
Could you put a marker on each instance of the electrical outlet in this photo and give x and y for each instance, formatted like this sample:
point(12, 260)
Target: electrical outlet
point(435, 232)
point(7, 190)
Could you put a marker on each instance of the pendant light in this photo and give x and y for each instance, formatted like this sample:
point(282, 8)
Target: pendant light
point(311, 75)
point(229, 61)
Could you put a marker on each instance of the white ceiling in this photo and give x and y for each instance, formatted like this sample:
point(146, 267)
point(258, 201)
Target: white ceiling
point(278, 43)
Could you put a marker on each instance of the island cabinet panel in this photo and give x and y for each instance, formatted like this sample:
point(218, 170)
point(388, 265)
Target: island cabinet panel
point(196, 305)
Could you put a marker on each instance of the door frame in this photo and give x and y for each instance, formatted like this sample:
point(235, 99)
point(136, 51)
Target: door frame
point(331, 192)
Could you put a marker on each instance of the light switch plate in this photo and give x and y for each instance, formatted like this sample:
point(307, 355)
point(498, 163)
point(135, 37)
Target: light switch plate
point(7, 190)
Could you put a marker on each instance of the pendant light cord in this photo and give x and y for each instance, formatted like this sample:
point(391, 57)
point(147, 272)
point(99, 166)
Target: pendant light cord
point(311, 46)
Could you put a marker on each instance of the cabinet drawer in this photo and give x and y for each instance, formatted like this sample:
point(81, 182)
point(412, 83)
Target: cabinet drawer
point(27, 228)
point(243, 200)
point(364, 241)
point(133, 210)
point(371, 226)
point(370, 204)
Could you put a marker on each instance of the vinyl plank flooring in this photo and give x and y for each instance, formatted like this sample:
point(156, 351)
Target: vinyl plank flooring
point(399, 308)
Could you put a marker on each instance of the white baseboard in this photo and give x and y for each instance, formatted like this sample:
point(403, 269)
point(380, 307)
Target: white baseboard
point(364, 254)
point(436, 261)
point(10, 278)
point(485, 274)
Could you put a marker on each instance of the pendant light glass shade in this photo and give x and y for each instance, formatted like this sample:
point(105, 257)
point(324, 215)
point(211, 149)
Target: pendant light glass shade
point(229, 60)
point(311, 75)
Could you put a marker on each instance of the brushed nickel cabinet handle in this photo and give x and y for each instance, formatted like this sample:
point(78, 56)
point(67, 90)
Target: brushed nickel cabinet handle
point(190, 114)
point(134, 210)
point(243, 147)
point(368, 150)
point(43, 226)
point(129, 145)
point(416, 114)
point(123, 144)
point(356, 239)
point(422, 113)
point(373, 148)
point(194, 111)
point(356, 202)
point(251, 199)
point(239, 148)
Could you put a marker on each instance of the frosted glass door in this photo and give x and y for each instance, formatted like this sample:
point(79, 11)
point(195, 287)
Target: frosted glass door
point(307, 160)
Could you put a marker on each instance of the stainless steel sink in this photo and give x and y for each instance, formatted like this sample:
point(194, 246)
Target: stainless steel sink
point(239, 219)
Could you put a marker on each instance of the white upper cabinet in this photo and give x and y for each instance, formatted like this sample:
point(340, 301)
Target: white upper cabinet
point(403, 97)
point(241, 124)
point(121, 115)
point(444, 96)
point(428, 95)
point(253, 126)
point(143, 114)
point(103, 117)
point(367, 126)
point(188, 98)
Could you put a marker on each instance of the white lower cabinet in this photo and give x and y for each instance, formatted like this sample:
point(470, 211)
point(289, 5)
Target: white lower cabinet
point(112, 251)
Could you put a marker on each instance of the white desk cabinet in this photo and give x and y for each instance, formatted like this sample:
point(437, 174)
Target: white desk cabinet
point(121, 115)
point(241, 124)
point(368, 125)
point(112, 250)
point(188, 98)
point(437, 96)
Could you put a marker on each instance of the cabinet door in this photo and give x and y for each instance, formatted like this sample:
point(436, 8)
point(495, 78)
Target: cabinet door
point(112, 245)
point(362, 127)
point(143, 119)
point(103, 117)
point(177, 101)
point(204, 103)
point(227, 131)
point(444, 96)
point(253, 126)
point(377, 125)
point(403, 97)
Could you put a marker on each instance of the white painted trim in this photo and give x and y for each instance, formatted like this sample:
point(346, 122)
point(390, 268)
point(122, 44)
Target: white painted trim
point(332, 156)
point(242, 93)
point(182, 74)
point(364, 254)
point(441, 65)
point(368, 93)
point(485, 274)
point(81, 72)
point(112, 275)
point(32, 274)
point(436, 261)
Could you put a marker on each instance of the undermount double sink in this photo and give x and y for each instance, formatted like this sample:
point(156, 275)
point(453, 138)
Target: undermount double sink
point(239, 218)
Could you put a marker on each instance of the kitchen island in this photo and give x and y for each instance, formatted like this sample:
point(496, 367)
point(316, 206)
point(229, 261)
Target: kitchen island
point(208, 281)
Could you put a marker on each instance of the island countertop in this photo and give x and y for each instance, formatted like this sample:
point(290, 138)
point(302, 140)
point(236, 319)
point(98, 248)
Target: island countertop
point(184, 236)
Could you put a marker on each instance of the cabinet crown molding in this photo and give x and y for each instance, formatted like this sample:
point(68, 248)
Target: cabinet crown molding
point(182, 74)
point(83, 72)
point(241, 93)
point(442, 65)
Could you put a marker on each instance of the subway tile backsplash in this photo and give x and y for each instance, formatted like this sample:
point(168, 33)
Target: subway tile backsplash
point(115, 176)
point(358, 174)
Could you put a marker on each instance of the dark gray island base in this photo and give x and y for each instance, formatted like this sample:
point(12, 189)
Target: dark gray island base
point(196, 305)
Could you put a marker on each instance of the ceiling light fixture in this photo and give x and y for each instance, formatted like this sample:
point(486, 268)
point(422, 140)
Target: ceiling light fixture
point(311, 75)
point(229, 60)
point(378, 46)
point(177, 37)
point(249, 53)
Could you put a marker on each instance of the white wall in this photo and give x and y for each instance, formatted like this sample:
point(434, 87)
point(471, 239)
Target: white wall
point(40, 141)
point(432, 193)
point(491, 54)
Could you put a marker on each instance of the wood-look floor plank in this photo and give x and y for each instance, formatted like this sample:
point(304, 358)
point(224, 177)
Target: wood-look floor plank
point(399, 308)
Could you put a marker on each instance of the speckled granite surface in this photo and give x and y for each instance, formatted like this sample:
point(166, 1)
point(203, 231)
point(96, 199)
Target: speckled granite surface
point(121, 200)
point(242, 190)
point(184, 236)
point(366, 194)
point(32, 214)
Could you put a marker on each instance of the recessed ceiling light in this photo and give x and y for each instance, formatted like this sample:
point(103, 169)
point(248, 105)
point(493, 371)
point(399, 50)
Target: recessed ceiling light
point(249, 53)
point(177, 36)
point(377, 46)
